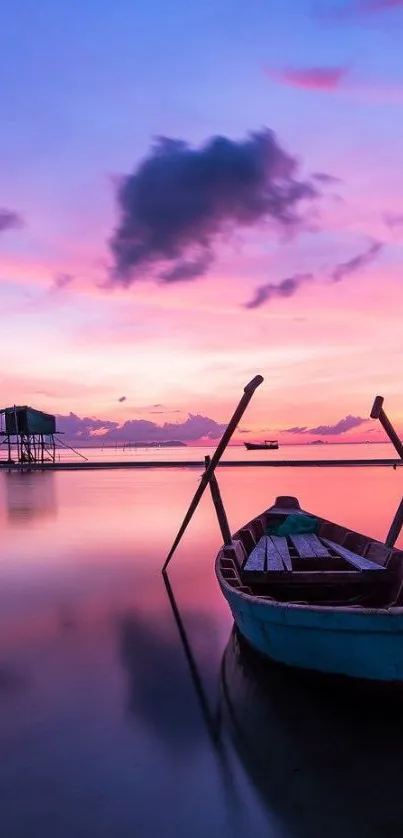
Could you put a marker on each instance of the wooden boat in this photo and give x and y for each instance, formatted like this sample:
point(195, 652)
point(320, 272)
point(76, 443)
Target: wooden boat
point(268, 444)
point(322, 762)
point(329, 601)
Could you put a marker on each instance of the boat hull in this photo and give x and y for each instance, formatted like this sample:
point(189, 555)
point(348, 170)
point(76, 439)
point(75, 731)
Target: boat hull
point(358, 643)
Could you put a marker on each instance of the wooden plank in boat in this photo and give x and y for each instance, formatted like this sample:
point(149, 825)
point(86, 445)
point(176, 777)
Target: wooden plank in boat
point(256, 561)
point(274, 557)
point(280, 543)
point(310, 546)
point(320, 549)
point(353, 558)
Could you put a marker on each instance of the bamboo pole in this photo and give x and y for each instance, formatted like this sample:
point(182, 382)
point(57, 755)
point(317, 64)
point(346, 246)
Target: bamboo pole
point(233, 423)
point(395, 526)
point(378, 412)
point(218, 505)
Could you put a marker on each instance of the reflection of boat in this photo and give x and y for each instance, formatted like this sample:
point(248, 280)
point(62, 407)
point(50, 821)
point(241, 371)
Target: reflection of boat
point(328, 600)
point(323, 762)
point(268, 444)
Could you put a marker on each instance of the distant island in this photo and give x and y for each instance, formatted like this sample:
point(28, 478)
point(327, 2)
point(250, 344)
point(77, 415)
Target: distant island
point(171, 443)
point(318, 442)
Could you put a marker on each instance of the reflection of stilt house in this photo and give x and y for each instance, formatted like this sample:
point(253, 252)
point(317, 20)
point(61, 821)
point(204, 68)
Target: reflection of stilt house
point(27, 435)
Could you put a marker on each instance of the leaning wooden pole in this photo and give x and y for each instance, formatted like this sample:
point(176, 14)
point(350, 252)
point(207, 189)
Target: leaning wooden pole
point(378, 412)
point(218, 505)
point(395, 527)
point(232, 425)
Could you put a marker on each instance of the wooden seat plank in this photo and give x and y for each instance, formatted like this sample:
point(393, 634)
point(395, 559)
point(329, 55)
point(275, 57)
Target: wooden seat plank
point(280, 543)
point(256, 561)
point(274, 557)
point(353, 558)
point(319, 549)
point(302, 545)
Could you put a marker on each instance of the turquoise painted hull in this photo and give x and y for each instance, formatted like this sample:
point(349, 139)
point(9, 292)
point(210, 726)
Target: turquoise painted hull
point(359, 643)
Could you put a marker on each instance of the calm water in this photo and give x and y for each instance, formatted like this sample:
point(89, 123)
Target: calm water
point(101, 731)
point(190, 453)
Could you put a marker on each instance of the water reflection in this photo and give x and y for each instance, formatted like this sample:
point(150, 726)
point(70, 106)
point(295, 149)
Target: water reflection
point(29, 495)
point(326, 761)
point(157, 675)
point(11, 681)
point(101, 732)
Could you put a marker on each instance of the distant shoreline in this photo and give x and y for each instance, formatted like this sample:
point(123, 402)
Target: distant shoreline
point(195, 464)
point(128, 445)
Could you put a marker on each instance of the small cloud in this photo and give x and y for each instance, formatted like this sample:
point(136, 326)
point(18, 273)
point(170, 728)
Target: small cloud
point(341, 427)
point(393, 220)
point(187, 270)
point(297, 429)
point(122, 399)
point(61, 281)
point(356, 263)
point(286, 288)
point(337, 80)
point(10, 220)
point(323, 177)
point(310, 78)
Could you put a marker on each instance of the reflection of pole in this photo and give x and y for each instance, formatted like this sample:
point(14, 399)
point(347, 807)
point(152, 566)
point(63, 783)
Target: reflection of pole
point(213, 721)
point(208, 715)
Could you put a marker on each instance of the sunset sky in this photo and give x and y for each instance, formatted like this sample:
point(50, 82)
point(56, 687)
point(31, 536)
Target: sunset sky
point(149, 279)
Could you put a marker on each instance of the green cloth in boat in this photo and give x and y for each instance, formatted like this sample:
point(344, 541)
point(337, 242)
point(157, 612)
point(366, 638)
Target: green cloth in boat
point(294, 524)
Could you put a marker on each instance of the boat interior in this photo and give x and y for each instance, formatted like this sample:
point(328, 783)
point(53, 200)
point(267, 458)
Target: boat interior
point(331, 566)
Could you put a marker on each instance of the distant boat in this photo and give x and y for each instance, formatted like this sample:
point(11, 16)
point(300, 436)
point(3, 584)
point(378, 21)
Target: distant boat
point(267, 445)
point(316, 595)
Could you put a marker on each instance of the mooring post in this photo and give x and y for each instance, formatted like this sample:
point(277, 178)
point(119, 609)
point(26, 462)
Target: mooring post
point(218, 504)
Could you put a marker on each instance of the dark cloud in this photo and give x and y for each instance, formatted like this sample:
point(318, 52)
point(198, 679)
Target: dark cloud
point(10, 220)
point(355, 264)
point(323, 177)
point(393, 219)
point(122, 399)
point(188, 270)
point(165, 411)
point(310, 78)
point(180, 199)
point(286, 288)
point(138, 430)
point(61, 281)
point(341, 427)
